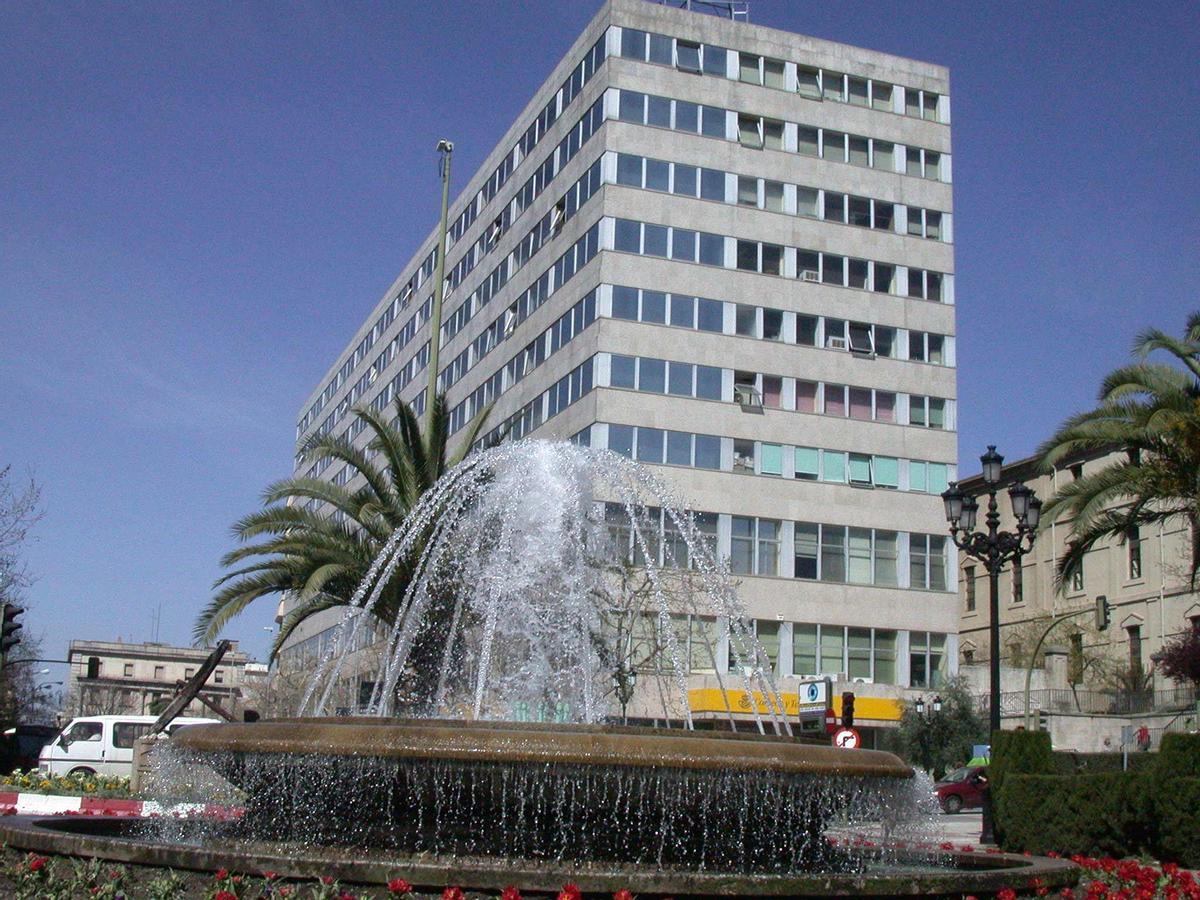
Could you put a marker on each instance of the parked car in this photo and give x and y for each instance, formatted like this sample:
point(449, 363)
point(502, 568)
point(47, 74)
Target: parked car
point(21, 744)
point(962, 788)
point(101, 745)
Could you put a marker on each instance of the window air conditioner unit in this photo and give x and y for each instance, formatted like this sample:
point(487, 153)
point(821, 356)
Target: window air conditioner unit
point(810, 276)
point(864, 680)
point(835, 343)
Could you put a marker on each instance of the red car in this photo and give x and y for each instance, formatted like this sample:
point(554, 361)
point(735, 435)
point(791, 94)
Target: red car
point(962, 788)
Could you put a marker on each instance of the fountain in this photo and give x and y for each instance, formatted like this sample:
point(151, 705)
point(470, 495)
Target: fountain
point(518, 601)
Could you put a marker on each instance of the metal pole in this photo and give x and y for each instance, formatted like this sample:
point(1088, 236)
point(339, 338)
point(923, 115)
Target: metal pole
point(987, 834)
point(446, 148)
point(1033, 656)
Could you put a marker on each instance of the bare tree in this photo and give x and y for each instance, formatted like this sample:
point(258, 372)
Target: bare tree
point(20, 510)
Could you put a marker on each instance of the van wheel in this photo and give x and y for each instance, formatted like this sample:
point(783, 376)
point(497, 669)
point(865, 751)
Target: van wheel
point(952, 804)
point(82, 770)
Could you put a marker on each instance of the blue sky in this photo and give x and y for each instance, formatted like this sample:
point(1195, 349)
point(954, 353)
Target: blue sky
point(199, 203)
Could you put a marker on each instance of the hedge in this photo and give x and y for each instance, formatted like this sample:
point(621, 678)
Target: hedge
point(1069, 762)
point(1096, 815)
point(1178, 821)
point(1154, 808)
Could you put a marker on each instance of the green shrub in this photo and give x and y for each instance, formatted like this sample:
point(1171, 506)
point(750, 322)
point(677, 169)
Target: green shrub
point(1177, 817)
point(1096, 815)
point(1015, 752)
point(1179, 756)
point(1070, 762)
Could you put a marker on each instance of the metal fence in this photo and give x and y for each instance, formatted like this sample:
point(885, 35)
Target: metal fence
point(1112, 703)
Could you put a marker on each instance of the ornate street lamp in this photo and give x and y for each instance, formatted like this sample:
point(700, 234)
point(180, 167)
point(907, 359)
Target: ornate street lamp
point(993, 548)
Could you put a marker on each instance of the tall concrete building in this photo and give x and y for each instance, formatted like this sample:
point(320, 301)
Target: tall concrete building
point(726, 251)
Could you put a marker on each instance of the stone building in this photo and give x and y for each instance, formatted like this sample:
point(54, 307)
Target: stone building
point(111, 677)
point(1086, 671)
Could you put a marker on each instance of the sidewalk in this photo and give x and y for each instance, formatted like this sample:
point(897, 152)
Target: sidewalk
point(13, 803)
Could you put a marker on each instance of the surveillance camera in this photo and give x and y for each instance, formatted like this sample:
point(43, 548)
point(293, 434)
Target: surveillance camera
point(444, 145)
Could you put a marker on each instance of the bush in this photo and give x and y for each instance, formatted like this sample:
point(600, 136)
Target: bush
point(1093, 815)
point(1178, 821)
point(1069, 762)
point(1050, 802)
point(1179, 756)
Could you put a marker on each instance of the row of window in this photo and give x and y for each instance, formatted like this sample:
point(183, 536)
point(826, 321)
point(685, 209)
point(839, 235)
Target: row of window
point(808, 81)
point(797, 649)
point(776, 196)
point(764, 133)
point(570, 144)
point(566, 206)
point(806, 550)
point(531, 299)
point(751, 389)
point(764, 323)
point(708, 451)
point(685, 116)
point(835, 270)
point(539, 236)
point(574, 83)
point(564, 330)
point(563, 393)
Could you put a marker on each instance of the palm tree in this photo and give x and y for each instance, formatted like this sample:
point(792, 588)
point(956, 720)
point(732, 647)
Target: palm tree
point(318, 559)
point(1152, 412)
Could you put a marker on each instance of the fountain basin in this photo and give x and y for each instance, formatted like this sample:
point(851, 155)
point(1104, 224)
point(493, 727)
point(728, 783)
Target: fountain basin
point(704, 801)
point(594, 745)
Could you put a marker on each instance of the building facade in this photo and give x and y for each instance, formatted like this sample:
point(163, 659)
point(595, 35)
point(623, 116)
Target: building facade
point(1145, 578)
point(726, 251)
point(112, 677)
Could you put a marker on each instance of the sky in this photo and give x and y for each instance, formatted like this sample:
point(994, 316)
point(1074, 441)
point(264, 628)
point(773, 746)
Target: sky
point(200, 203)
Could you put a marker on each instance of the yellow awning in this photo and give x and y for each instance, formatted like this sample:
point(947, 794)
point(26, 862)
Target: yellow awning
point(876, 709)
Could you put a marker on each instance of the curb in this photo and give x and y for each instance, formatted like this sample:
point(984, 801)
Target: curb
point(13, 803)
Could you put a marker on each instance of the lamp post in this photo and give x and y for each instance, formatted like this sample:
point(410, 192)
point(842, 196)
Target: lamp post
point(993, 548)
point(625, 680)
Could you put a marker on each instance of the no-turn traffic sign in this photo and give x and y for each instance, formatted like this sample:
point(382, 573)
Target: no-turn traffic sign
point(847, 739)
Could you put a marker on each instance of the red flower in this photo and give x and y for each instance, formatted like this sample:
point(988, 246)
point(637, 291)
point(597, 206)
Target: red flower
point(967, 848)
point(1006, 894)
point(326, 879)
point(346, 895)
point(270, 876)
point(623, 894)
point(225, 895)
point(399, 886)
point(222, 874)
point(452, 893)
point(37, 863)
point(946, 845)
point(570, 892)
point(1067, 894)
point(510, 893)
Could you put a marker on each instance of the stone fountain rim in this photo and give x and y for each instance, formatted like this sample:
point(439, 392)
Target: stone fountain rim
point(976, 873)
point(537, 743)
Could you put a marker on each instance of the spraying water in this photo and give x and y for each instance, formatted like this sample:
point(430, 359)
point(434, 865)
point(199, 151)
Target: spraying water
point(513, 600)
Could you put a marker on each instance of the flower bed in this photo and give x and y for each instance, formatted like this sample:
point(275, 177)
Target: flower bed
point(78, 785)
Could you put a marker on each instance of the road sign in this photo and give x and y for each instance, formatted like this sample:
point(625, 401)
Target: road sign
point(847, 739)
point(813, 694)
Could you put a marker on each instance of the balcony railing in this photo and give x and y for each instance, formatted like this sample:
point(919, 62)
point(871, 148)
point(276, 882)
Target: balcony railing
point(1091, 702)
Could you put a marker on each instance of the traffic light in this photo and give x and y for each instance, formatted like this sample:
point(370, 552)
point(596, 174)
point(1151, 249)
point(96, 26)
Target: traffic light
point(1103, 611)
point(848, 709)
point(8, 631)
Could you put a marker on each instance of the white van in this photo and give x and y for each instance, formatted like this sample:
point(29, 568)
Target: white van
point(101, 745)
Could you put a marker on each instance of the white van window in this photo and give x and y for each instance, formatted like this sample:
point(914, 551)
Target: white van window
point(125, 733)
point(84, 731)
